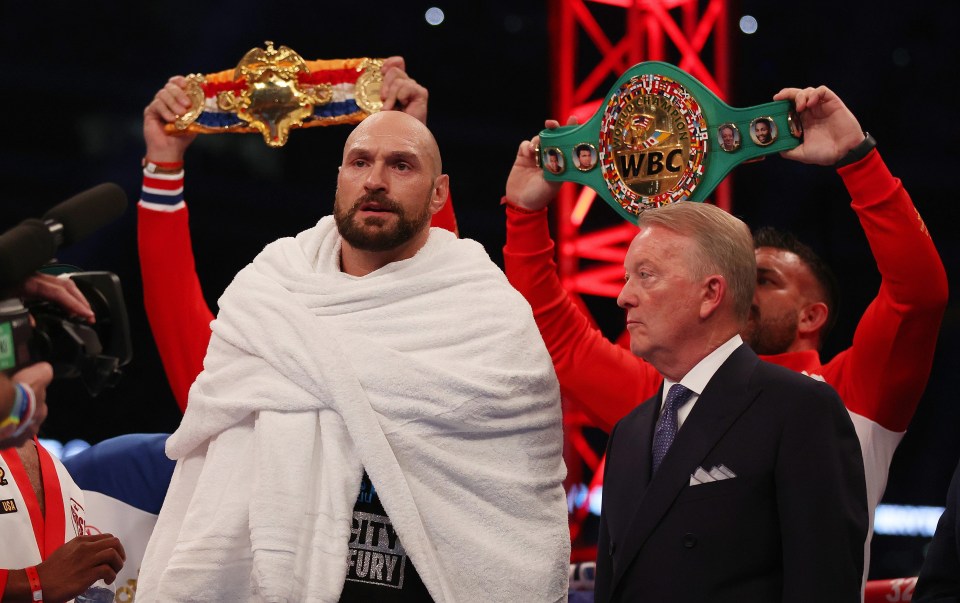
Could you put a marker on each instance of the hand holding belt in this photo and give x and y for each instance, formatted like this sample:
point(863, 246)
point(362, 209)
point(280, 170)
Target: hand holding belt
point(661, 136)
point(272, 91)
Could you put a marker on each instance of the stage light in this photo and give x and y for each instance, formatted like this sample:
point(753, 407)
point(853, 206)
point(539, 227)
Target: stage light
point(61, 450)
point(901, 57)
point(72, 447)
point(889, 520)
point(748, 24)
point(904, 520)
point(434, 16)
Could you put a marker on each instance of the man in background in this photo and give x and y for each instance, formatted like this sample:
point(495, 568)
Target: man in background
point(880, 377)
point(47, 553)
point(712, 490)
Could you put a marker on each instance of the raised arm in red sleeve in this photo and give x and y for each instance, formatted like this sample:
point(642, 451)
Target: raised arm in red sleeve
point(883, 374)
point(605, 379)
point(178, 315)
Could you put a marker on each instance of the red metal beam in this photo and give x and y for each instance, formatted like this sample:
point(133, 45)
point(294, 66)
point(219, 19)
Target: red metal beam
point(689, 33)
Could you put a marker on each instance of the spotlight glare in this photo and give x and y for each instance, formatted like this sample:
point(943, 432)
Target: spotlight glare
point(434, 16)
point(748, 24)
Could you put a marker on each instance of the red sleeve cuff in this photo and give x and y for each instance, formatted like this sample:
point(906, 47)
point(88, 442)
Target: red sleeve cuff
point(511, 205)
point(528, 232)
point(868, 179)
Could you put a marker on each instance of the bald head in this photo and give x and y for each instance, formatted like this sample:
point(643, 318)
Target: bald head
point(403, 128)
point(388, 187)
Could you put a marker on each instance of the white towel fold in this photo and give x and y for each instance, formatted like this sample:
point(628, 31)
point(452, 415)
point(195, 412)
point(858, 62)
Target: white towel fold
point(430, 373)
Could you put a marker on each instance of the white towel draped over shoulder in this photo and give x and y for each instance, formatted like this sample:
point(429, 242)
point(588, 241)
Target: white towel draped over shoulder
point(430, 373)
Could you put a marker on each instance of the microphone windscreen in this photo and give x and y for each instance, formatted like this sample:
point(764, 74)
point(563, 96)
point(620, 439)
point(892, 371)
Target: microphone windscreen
point(86, 212)
point(23, 249)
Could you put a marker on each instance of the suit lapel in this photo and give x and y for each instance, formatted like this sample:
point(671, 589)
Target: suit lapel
point(646, 422)
point(632, 478)
point(724, 399)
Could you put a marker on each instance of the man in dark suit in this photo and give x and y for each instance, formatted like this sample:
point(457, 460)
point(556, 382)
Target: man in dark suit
point(741, 480)
point(939, 579)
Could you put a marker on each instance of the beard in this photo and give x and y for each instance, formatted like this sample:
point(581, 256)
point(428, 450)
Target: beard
point(373, 234)
point(770, 335)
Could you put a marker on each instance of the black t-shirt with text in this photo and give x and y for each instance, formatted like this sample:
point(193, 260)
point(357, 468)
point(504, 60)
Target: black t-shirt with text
point(378, 568)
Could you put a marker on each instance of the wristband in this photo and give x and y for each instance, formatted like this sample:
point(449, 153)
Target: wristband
point(517, 208)
point(161, 167)
point(858, 152)
point(272, 91)
point(24, 404)
point(162, 188)
point(30, 407)
point(34, 578)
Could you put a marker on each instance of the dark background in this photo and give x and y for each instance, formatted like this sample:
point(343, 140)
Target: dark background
point(75, 79)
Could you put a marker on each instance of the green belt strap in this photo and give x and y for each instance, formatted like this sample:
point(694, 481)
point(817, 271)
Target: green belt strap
point(657, 139)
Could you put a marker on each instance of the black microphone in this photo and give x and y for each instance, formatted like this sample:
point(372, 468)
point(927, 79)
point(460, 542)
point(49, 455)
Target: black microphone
point(32, 243)
point(84, 213)
point(23, 249)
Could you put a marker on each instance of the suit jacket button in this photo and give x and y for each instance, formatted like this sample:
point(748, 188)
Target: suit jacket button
point(689, 540)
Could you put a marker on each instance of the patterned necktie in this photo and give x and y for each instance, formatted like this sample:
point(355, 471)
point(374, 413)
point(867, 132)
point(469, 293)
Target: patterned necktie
point(667, 425)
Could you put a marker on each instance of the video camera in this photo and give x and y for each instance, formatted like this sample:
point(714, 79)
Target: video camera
point(93, 352)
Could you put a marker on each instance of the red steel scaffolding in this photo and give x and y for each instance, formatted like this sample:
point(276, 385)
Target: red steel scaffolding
point(591, 243)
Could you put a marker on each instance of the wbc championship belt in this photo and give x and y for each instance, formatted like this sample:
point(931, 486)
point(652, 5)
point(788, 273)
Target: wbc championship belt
point(661, 136)
point(275, 90)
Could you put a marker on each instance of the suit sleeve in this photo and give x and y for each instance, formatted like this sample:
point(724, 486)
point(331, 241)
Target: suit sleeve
point(604, 379)
point(939, 579)
point(821, 497)
point(883, 374)
point(176, 310)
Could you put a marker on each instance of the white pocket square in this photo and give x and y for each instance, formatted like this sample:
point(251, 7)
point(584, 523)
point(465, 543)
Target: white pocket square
point(702, 476)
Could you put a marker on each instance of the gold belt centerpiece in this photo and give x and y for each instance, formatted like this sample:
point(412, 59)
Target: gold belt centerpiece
point(272, 91)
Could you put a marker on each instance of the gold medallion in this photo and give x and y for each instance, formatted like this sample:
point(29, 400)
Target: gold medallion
point(728, 134)
point(795, 125)
point(553, 160)
point(652, 143)
point(194, 92)
point(585, 156)
point(763, 131)
point(367, 93)
point(272, 101)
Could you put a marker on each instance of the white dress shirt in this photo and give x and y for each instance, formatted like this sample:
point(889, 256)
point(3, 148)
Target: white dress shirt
point(697, 378)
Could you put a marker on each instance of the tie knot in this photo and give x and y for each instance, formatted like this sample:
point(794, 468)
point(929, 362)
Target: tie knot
point(676, 396)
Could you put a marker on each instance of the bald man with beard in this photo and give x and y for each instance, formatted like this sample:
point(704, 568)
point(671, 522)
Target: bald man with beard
point(338, 445)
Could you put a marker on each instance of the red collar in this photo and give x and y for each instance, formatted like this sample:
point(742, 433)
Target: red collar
point(807, 361)
point(49, 531)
